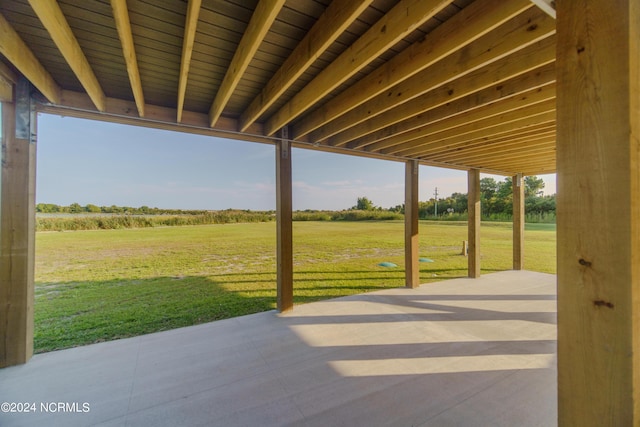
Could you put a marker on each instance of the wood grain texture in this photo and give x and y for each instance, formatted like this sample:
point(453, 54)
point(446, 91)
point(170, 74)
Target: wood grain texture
point(463, 28)
point(405, 17)
point(517, 182)
point(598, 213)
point(336, 19)
point(473, 221)
point(121, 16)
point(284, 219)
point(506, 40)
point(411, 225)
point(190, 25)
point(17, 231)
point(15, 50)
point(263, 16)
point(56, 24)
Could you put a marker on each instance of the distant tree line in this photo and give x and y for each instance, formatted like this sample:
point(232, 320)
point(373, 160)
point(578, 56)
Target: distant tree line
point(76, 208)
point(496, 198)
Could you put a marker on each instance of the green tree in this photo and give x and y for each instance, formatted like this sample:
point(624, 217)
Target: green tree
point(364, 204)
point(533, 186)
point(488, 188)
point(92, 208)
point(75, 208)
point(47, 208)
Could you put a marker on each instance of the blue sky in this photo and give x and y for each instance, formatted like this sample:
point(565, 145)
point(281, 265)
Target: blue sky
point(108, 164)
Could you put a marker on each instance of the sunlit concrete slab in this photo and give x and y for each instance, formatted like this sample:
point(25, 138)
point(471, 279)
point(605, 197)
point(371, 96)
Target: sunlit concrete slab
point(463, 352)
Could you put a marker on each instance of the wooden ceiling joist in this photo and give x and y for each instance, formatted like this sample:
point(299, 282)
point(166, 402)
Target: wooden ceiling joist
point(492, 115)
point(507, 39)
point(190, 25)
point(520, 72)
point(443, 81)
point(21, 56)
point(384, 111)
point(444, 142)
point(404, 18)
point(123, 24)
point(429, 146)
point(536, 148)
point(515, 155)
point(333, 22)
point(499, 147)
point(58, 28)
point(448, 149)
point(261, 20)
point(463, 28)
point(540, 160)
point(546, 165)
point(460, 113)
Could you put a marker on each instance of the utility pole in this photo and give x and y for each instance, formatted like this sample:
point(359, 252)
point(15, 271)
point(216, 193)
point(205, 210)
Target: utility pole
point(436, 194)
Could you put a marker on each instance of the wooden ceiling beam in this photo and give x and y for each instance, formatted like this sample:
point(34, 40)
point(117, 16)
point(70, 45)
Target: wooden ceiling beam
point(523, 166)
point(333, 22)
point(464, 116)
point(482, 145)
point(190, 25)
point(502, 43)
point(459, 96)
point(78, 104)
point(545, 148)
point(505, 139)
point(486, 133)
point(263, 16)
point(51, 16)
point(123, 25)
point(528, 161)
point(438, 135)
point(469, 24)
point(400, 21)
point(499, 150)
point(18, 53)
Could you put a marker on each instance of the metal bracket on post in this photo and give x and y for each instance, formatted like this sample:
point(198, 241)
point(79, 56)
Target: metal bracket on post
point(284, 135)
point(518, 180)
point(23, 109)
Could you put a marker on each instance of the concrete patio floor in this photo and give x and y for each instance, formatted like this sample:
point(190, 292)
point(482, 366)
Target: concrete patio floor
point(460, 352)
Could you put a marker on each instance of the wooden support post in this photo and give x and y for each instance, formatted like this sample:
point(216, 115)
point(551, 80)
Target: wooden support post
point(17, 227)
point(518, 222)
point(411, 233)
point(598, 162)
point(474, 212)
point(284, 213)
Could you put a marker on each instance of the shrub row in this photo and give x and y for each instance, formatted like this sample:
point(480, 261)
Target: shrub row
point(110, 222)
point(102, 222)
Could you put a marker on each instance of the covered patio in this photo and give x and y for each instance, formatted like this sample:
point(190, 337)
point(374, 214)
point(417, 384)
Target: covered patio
point(509, 87)
point(456, 353)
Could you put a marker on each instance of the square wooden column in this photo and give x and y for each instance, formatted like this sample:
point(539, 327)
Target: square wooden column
point(473, 223)
point(518, 222)
point(598, 212)
point(284, 214)
point(411, 225)
point(17, 227)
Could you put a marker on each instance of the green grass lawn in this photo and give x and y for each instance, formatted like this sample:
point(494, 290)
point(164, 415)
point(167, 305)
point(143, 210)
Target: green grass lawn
point(101, 285)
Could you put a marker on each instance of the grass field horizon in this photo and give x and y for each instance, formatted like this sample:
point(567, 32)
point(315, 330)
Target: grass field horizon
point(100, 285)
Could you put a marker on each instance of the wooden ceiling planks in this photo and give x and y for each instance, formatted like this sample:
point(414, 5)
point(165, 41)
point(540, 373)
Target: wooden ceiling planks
point(469, 85)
